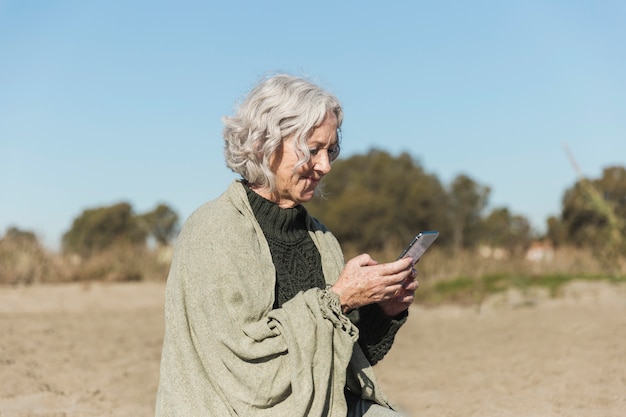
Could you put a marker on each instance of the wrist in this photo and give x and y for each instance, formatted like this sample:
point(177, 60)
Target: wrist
point(343, 301)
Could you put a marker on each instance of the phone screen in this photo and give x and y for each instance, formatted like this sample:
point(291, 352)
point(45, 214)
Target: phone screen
point(419, 244)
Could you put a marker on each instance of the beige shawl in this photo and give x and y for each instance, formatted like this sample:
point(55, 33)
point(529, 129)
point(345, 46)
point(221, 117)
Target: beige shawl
point(226, 352)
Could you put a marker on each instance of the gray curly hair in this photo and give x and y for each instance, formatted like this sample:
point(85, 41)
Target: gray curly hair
point(276, 108)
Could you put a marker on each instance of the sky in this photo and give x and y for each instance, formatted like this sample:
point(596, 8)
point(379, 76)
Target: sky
point(110, 101)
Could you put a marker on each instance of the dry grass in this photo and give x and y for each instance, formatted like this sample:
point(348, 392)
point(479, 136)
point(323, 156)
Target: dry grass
point(467, 277)
point(464, 277)
point(26, 262)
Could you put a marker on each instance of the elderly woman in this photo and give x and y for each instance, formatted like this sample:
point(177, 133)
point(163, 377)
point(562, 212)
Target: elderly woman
point(263, 317)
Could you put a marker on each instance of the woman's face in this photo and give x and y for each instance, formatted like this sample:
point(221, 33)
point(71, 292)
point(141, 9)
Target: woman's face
point(296, 187)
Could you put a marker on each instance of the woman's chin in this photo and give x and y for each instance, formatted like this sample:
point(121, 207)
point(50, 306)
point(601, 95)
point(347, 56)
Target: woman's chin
point(307, 196)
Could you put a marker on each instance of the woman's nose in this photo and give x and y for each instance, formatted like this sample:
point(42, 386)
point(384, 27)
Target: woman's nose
point(322, 162)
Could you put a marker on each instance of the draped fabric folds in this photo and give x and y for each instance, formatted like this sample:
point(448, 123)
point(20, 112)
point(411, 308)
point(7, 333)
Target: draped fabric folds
point(226, 352)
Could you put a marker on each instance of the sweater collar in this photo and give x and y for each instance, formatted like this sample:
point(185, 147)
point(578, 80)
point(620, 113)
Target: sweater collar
point(286, 224)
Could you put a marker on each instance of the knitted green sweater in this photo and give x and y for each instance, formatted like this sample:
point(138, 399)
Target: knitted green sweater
point(299, 268)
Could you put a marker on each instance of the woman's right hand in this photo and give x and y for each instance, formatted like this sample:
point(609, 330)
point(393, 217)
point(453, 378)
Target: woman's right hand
point(364, 281)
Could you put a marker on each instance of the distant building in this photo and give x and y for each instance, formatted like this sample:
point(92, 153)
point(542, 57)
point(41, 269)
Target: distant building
point(540, 251)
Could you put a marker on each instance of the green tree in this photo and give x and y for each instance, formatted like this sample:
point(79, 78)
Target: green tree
point(503, 229)
point(468, 200)
point(593, 213)
point(99, 228)
point(161, 223)
point(374, 200)
point(15, 234)
point(612, 186)
point(22, 259)
point(556, 233)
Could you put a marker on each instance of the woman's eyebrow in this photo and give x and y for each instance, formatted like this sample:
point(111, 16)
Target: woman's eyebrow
point(323, 142)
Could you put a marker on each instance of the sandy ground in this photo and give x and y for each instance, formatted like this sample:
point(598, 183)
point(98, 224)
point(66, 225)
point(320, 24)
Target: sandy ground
point(93, 350)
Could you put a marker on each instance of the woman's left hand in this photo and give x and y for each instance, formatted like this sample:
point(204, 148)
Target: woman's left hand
point(403, 298)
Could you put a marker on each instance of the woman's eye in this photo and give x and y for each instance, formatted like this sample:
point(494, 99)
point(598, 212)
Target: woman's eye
point(333, 152)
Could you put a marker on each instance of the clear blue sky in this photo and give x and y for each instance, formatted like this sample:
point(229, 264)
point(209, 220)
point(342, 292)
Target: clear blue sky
point(108, 101)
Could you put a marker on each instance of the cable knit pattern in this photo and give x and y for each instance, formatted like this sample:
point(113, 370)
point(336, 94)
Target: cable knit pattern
point(295, 256)
point(299, 268)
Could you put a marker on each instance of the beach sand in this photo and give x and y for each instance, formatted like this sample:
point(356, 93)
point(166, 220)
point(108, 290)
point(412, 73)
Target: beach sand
point(82, 350)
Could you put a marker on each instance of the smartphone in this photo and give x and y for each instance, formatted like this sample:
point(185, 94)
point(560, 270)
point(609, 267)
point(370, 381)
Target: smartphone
point(419, 244)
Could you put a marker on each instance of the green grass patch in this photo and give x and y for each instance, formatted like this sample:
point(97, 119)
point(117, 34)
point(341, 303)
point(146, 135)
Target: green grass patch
point(468, 290)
